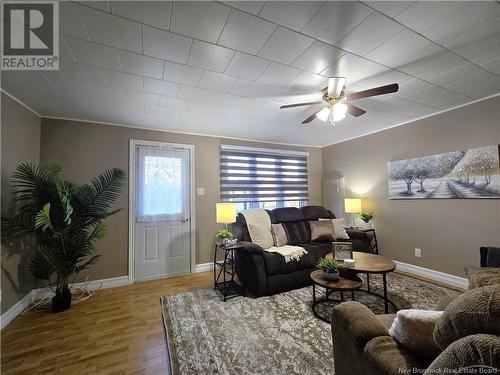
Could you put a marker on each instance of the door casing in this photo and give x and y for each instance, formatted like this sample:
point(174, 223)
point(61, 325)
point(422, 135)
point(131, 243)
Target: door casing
point(131, 200)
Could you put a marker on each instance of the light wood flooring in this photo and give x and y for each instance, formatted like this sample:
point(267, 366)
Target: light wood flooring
point(116, 331)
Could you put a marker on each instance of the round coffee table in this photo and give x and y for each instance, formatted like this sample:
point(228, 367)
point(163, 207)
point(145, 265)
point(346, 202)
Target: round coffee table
point(372, 264)
point(341, 285)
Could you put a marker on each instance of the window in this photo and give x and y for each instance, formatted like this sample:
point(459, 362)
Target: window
point(260, 178)
point(162, 184)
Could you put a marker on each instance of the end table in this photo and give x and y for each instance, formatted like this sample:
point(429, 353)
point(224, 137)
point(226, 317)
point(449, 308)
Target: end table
point(371, 238)
point(225, 270)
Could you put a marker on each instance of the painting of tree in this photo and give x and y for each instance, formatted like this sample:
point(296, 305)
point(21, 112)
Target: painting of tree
point(473, 173)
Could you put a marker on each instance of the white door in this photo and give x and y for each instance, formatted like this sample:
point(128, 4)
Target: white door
point(162, 240)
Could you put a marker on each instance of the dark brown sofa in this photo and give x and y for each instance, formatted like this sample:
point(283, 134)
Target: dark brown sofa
point(362, 344)
point(264, 273)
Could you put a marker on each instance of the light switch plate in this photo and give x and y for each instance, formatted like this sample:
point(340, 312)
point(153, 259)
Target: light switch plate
point(200, 191)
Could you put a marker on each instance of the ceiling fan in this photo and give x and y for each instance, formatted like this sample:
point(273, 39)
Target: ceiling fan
point(338, 102)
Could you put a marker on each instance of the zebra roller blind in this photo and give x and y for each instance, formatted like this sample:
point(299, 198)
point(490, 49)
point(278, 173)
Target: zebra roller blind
point(253, 177)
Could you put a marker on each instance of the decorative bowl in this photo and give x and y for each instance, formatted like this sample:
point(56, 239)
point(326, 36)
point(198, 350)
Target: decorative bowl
point(331, 276)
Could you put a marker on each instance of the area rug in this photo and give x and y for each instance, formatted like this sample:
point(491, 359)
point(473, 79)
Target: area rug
point(268, 335)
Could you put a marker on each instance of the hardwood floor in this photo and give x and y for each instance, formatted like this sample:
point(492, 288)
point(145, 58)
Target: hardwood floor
point(116, 331)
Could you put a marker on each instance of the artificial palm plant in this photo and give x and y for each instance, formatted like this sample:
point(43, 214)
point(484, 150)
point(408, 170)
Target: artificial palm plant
point(65, 220)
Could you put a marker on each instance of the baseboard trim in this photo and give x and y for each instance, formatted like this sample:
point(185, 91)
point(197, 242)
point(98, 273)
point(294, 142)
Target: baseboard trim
point(204, 267)
point(40, 293)
point(456, 281)
point(17, 309)
point(90, 285)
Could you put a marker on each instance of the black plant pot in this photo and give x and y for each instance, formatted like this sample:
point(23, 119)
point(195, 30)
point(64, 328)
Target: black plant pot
point(331, 276)
point(61, 301)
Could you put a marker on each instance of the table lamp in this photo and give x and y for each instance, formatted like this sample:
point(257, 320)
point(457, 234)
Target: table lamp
point(225, 213)
point(353, 206)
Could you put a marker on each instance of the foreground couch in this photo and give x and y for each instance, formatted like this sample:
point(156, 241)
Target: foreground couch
point(467, 333)
point(264, 273)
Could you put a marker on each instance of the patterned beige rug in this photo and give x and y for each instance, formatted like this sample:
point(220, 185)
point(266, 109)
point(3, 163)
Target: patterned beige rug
point(269, 335)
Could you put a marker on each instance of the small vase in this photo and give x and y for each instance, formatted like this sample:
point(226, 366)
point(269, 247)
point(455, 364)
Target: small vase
point(61, 301)
point(367, 225)
point(331, 276)
point(227, 242)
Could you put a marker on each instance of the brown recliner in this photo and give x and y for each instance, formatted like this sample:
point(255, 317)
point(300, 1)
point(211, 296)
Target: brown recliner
point(468, 332)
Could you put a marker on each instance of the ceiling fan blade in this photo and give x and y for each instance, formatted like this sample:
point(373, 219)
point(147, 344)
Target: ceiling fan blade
point(335, 86)
point(355, 111)
point(374, 92)
point(312, 117)
point(299, 104)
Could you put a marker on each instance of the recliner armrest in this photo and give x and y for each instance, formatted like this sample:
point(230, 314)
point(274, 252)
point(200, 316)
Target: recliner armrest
point(356, 234)
point(358, 322)
point(251, 247)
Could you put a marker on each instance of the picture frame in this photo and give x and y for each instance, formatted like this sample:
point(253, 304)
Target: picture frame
point(342, 250)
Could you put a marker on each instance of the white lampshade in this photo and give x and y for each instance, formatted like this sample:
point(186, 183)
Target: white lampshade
point(352, 205)
point(225, 213)
point(338, 111)
point(323, 114)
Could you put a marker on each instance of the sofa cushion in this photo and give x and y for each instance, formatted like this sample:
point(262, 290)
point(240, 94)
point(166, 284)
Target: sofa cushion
point(279, 235)
point(286, 215)
point(275, 263)
point(484, 276)
point(322, 231)
point(261, 235)
point(316, 212)
point(475, 311)
point(481, 350)
point(297, 232)
point(413, 329)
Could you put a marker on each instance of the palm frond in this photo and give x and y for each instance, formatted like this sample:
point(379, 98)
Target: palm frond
point(42, 219)
point(62, 191)
point(95, 199)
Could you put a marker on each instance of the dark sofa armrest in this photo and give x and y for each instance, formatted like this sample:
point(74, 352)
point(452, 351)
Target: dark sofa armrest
point(357, 321)
point(387, 357)
point(490, 256)
point(356, 234)
point(251, 247)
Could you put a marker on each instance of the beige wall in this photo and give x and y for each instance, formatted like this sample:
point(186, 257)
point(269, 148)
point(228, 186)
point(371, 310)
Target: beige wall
point(85, 149)
point(449, 231)
point(20, 133)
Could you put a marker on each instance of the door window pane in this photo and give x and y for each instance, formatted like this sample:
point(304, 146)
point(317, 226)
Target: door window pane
point(162, 186)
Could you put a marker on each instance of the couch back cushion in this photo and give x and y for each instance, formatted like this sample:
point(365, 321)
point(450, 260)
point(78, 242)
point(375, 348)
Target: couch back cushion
point(322, 231)
point(475, 311)
point(316, 212)
point(297, 229)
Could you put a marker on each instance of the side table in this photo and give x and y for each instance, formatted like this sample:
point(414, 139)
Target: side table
point(371, 238)
point(225, 284)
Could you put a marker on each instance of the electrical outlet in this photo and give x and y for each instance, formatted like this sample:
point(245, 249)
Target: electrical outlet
point(200, 191)
point(418, 252)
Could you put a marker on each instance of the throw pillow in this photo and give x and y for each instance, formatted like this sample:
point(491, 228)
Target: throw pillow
point(279, 235)
point(322, 231)
point(475, 311)
point(261, 235)
point(413, 329)
point(338, 228)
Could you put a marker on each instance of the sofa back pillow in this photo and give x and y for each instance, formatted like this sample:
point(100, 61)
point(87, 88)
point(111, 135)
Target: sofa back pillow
point(279, 235)
point(338, 228)
point(413, 329)
point(322, 231)
point(475, 311)
point(261, 235)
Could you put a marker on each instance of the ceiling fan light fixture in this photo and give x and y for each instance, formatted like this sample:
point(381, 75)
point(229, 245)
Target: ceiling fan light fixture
point(323, 114)
point(339, 111)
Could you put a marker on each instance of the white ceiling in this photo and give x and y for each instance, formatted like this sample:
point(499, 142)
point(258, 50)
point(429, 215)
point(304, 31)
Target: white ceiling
point(224, 68)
